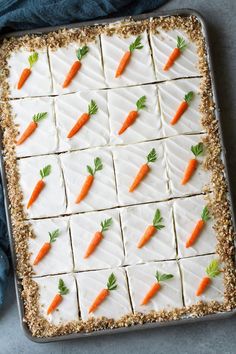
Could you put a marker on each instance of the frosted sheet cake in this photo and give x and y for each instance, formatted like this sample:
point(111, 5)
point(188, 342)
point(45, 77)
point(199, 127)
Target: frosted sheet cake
point(117, 192)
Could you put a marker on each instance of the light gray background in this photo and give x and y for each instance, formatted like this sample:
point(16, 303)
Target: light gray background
point(208, 337)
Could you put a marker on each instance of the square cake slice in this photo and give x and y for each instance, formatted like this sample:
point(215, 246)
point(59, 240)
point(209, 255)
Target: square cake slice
point(77, 167)
point(58, 259)
point(173, 94)
point(139, 99)
point(194, 269)
point(143, 277)
point(141, 220)
point(186, 64)
point(139, 69)
point(38, 83)
point(49, 287)
point(178, 154)
point(128, 162)
point(90, 73)
point(115, 305)
point(71, 109)
point(103, 229)
point(45, 171)
point(188, 213)
point(44, 139)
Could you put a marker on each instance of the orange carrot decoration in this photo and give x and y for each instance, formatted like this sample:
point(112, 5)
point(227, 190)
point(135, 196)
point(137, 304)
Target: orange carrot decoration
point(132, 116)
point(151, 229)
point(155, 287)
point(98, 236)
point(212, 271)
point(127, 56)
point(98, 166)
point(92, 109)
point(111, 285)
point(39, 185)
point(198, 227)
point(180, 47)
point(46, 246)
point(27, 71)
point(63, 290)
point(31, 127)
point(144, 169)
point(197, 150)
point(80, 53)
point(182, 107)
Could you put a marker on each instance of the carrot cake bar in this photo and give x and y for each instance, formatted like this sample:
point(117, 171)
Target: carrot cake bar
point(97, 240)
point(154, 219)
point(72, 109)
point(199, 271)
point(37, 114)
point(148, 158)
point(82, 60)
point(139, 103)
point(29, 74)
point(174, 55)
point(50, 249)
point(155, 286)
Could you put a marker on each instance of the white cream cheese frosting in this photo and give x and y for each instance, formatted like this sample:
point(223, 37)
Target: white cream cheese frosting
point(142, 277)
point(39, 82)
point(193, 270)
point(102, 194)
point(109, 253)
point(90, 74)
point(140, 67)
point(187, 212)
point(135, 220)
point(163, 43)
point(44, 140)
point(147, 125)
point(171, 94)
point(178, 153)
point(52, 199)
point(128, 161)
point(59, 258)
point(90, 284)
point(68, 309)
point(69, 109)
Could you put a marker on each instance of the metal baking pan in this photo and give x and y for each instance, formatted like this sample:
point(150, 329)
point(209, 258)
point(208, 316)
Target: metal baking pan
point(18, 287)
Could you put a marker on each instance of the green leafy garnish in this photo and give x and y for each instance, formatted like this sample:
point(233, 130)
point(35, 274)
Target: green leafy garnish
point(162, 277)
point(205, 214)
point(32, 59)
point(136, 44)
point(197, 150)
point(63, 290)
point(92, 108)
point(98, 166)
point(81, 52)
point(53, 235)
point(39, 116)
point(188, 97)
point(181, 44)
point(157, 220)
point(140, 104)
point(45, 171)
point(111, 284)
point(152, 156)
point(106, 224)
point(213, 269)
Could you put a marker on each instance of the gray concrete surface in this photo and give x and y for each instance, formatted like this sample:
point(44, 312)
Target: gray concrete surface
point(208, 337)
